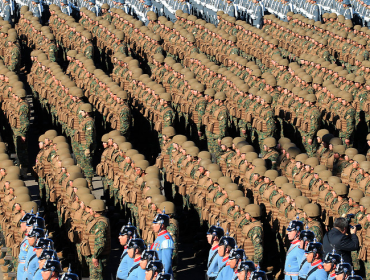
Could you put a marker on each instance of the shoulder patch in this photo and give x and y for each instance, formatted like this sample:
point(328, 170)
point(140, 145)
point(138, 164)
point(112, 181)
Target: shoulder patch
point(167, 237)
point(320, 266)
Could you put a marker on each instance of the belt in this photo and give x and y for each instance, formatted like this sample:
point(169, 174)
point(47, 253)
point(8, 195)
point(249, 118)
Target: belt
point(291, 273)
point(119, 278)
point(22, 261)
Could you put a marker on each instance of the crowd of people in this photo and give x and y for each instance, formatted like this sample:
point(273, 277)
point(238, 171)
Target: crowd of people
point(251, 128)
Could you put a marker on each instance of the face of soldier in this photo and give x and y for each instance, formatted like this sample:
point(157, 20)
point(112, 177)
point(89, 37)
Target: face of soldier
point(122, 239)
point(148, 275)
point(340, 277)
point(31, 240)
point(221, 251)
point(310, 257)
point(41, 263)
point(328, 267)
point(233, 263)
point(38, 252)
point(156, 227)
point(292, 234)
point(131, 253)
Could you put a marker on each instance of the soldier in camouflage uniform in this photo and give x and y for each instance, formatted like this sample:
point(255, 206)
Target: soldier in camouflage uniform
point(86, 141)
point(99, 234)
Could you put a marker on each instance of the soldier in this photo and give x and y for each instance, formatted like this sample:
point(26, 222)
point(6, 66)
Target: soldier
point(99, 240)
point(125, 235)
point(225, 246)
point(343, 270)
point(346, 122)
point(65, 8)
point(34, 234)
point(20, 130)
point(36, 10)
point(217, 126)
point(7, 12)
point(153, 269)
point(257, 14)
point(253, 233)
point(312, 215)
point(214, 234)
point(135, 248)
point(331, 261)
point(313, 257)
point(270, 154)
point(295, 254)
point(12, 58)
point(51, 269)
point(85, 137)
point(245, 269)
point(163, 244)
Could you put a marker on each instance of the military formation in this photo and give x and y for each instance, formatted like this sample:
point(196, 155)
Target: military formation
point(255, 132)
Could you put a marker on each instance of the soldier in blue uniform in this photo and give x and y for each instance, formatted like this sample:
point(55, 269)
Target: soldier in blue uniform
point(125, 235)
point(295, 253)
point(24, 247)
point(258, 274)
point(214, 235)
point(146, 257)
point(7, 12)
point(314, 253)
point(229, 8)
point(257, 14)
point(51, 269)
point(35, 9)
point(343, 270)
point(29, 268)
point(346, 9)
point(331, 261)
point(93, 8)
point(235, 257)
point(153, 269)
point(40, 245)
point(45, 255)
point(315, 11)
point(225, 246)
point(64, 7)
point(163, 244)
point(245, 269)
point(135, 248)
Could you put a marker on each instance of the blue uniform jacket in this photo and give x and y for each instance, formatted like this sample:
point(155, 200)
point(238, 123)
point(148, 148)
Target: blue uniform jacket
point(213, 259)
point(293, 261)
point(124, 265)
point(164, 246)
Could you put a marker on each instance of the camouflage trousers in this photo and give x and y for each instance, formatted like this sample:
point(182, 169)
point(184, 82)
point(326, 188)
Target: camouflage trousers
point(41, 182)
point(21, 149)
point(213, 146)
point(96, 273)
point(367, 270)
point(86, 164)
point(355, 261)
point(310, 148)
point(76, 151)
point(114, 195)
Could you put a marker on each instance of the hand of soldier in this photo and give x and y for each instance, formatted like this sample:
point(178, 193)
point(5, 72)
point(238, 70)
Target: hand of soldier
point(309, 141)
point(304, 138)
point(199, 133)
point(95, 262)
point(219, 142)
point(87, 152)
point(244, 131)
point(23, 139)
point(368, 217)
point(347, 141)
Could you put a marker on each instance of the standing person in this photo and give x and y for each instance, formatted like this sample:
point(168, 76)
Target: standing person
point(20, 130)
point(330, 264)
point(163, 244)
point(135, 248)
point(338, 239)
point(314, 258)
point(99, 240)
point(295, 254)
point(125, 235)
point(214, 235)
point(86, 139)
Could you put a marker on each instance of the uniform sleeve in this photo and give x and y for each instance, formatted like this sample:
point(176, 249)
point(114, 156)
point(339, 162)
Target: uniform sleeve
point(100, 238)
point(201, 112)
point(350, 117)
point(168, 118)
point(167, 249)
point(124, 120)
